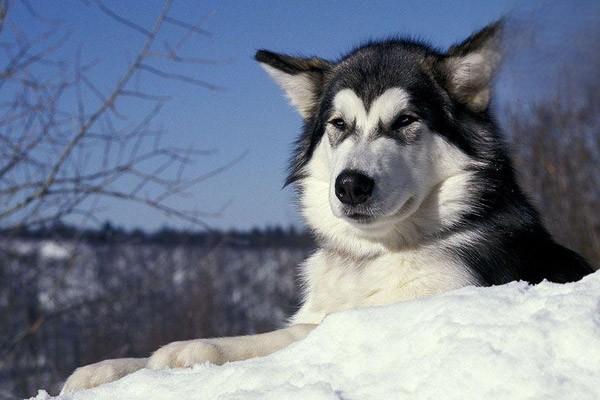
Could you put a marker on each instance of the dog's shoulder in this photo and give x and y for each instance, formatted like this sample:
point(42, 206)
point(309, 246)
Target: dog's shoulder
point(523, 252)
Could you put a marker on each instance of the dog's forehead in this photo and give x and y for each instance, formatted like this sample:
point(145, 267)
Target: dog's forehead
point(372, 71)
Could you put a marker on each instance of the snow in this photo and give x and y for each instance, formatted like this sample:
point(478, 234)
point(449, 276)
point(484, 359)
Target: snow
point(48, 249)
point(506, 342)
point(54, 251)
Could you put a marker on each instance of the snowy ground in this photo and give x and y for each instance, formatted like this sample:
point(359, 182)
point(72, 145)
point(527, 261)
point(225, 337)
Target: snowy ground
point(507, 342)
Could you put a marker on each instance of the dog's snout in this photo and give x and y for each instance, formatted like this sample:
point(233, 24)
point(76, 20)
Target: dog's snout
point(353, 187)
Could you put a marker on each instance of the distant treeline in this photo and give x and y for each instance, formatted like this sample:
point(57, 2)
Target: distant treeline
point(108, 233)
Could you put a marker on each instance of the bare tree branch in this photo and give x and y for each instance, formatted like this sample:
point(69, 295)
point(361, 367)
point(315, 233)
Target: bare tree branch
point(189, 27)
point(178, 77)
point(124, 21)
point(57, 156)
point(3, 12)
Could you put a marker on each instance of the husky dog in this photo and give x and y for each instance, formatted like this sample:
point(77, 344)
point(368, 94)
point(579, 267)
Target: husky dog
point(403, 177)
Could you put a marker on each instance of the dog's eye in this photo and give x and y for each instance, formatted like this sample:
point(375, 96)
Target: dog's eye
point(402, 121)
point(338, 123)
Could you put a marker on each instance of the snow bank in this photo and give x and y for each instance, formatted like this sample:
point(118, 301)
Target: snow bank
point(506, 342)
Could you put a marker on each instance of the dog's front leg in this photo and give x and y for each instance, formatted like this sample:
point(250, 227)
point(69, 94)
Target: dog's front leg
point(226, 349)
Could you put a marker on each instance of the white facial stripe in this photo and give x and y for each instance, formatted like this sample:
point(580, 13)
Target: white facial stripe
point(384, 108)
point(347, 103)
point(387, 106)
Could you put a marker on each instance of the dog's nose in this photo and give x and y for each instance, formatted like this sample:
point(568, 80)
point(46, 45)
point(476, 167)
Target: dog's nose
point(353, 187)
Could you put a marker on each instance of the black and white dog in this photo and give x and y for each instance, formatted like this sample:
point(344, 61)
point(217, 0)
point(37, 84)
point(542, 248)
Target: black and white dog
point(404, 178)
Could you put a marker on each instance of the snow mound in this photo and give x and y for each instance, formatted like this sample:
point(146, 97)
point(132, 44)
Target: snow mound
point(506, 342)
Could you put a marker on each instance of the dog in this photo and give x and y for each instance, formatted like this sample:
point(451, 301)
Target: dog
point(405, 180)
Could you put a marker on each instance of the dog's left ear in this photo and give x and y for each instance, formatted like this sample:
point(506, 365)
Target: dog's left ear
point(468, 68)
point(301, 78)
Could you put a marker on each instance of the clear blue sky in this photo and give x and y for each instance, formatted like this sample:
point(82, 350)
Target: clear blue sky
point(251, 114)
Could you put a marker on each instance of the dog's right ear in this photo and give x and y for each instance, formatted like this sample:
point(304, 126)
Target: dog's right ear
point(301, 78)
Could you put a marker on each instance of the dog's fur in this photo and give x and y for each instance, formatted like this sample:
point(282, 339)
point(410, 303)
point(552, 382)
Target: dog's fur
point(445, 210)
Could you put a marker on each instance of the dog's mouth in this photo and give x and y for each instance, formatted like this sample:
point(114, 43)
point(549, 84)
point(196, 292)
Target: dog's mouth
point(361, 218)
point(366, 217)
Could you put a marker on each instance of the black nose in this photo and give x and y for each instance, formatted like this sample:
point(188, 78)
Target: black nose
point(353, 187)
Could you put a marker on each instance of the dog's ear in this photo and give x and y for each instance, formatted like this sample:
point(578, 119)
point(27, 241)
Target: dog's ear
point(301, 78)
point(468, 68)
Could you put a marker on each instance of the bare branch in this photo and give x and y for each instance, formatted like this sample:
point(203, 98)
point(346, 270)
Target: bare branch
point(145, 96)
point(124, 21)
point(178, 77)
point(83, 130)
point(3, 12)
point(191, 28)
point(57, 156)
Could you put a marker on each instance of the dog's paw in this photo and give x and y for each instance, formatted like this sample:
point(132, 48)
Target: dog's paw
point(186, 354)
point(102, 372)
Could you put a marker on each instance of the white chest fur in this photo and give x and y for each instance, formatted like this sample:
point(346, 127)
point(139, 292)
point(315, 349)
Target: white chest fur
point(334, 282)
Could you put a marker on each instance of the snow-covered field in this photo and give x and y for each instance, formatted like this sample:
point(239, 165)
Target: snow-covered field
point(507, 342)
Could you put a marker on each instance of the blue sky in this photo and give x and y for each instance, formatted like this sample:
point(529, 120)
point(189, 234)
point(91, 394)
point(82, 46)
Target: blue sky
point(250, 114)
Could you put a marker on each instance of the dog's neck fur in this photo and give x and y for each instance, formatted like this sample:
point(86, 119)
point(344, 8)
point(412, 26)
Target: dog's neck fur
point(335, 279)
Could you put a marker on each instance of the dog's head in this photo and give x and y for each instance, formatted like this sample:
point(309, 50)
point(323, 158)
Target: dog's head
point(392, 133)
